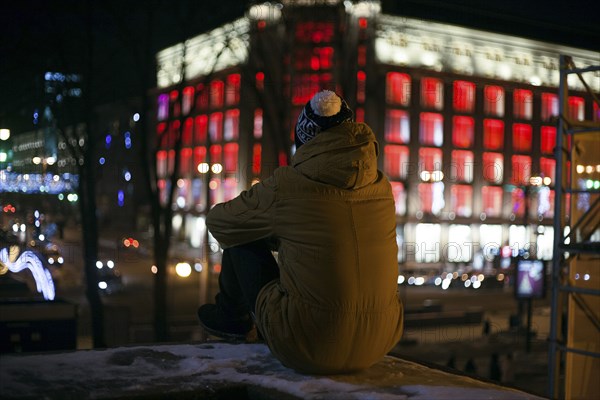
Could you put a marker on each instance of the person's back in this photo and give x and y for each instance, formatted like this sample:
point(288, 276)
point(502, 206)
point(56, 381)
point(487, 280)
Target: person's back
point(337, 255)
point(334, 308)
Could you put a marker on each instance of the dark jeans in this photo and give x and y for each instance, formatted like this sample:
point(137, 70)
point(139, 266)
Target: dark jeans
point(245, 270)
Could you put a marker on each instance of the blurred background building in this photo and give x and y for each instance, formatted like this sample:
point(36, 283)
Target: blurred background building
point(466, 120)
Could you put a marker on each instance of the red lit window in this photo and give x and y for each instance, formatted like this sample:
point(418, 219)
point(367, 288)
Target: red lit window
point(326, 81)
point(493, 167)
point(397, 128)
point(522, 103)
point(395, 161)
point(258, 123)
point(430, 160)
point(305, 86)
point(432, 93)
point(518, 202)
point(521, 170)
point(315, 32)
point(215, 127)
point(431, 197)
point(522, 138)
point(549, 106)
point(232, 124)
point(185, 164)
point(492, 200)
point(431, 129)
point(260, 80)
point(256, 158)
point(216, 93)
point(399, 197)
point(170, 161)
point(493, 134)
point(362, 23)
point(320, 58)
point(175, 106)
point(359, 114)
point(462, 131)
point(231, 157)
point(201, 97)
point(303, 58)
point(362, 55)
point(548, 139)
point(199, 156)
point(576, 108)
point(161, 129)
point(426, 197)
point(163, 107)
point(201, 122)
point(548, 169)
point(188, 99)
point(161, 163)
point(188, 126)
point(462, 166)
point(461, 200)
point(173, 133)
point(215, 154)
point(464, 96)
point(282, 158)
point(596, 112)
point(493, 101)
point(397, 88)
point(232, 92)
point(361, 85)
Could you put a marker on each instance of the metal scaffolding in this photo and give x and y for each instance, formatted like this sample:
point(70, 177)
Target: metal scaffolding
point(574, 353)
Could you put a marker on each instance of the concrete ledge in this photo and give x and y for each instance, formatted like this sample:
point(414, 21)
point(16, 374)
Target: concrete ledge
point(217, 370)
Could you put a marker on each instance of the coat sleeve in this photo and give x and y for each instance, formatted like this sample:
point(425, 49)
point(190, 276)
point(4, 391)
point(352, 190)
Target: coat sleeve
point(246, 218)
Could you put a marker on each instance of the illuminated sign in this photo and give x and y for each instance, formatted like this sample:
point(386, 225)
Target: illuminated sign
point(442, 47)
point(530, 279)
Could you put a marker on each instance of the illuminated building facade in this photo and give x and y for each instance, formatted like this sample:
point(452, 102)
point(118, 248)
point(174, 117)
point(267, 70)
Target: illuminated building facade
point(466, 119)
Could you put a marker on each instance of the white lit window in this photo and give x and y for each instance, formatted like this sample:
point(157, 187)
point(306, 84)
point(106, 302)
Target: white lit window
point(459, 247)
point(427, 244)
point(490, 239)
point(545, 243)
point(518, 239)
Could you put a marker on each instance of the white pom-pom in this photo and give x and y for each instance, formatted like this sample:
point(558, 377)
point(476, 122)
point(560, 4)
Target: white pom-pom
point(326, 103)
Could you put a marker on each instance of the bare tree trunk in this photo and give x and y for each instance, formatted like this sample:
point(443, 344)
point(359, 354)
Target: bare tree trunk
point(87, 204)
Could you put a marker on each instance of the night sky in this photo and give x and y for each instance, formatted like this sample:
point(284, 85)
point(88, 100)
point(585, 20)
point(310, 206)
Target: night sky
point(51, 35)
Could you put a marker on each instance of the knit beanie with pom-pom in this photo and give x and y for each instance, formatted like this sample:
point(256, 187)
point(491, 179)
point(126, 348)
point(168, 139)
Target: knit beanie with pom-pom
point(325, 110)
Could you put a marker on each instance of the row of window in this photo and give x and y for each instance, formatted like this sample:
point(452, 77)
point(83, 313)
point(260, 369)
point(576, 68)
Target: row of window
point(426, 246)
point(398, 92)
point(462, 167)
point(431, 200)
point(431, 132)
point(190, 193)
point(216, 94)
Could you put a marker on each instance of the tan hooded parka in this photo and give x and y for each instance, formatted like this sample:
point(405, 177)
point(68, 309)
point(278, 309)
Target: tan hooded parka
point(335, 308)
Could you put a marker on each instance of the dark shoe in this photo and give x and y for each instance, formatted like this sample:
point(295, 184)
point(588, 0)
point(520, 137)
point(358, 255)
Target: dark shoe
point(214, 322)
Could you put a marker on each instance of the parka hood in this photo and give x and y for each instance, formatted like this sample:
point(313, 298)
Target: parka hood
point(344, 156)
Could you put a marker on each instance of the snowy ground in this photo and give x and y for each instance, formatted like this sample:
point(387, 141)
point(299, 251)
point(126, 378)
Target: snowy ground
point(222, 371)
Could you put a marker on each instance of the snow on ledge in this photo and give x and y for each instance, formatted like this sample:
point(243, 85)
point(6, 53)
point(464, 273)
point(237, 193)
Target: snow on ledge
point(213, 370)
